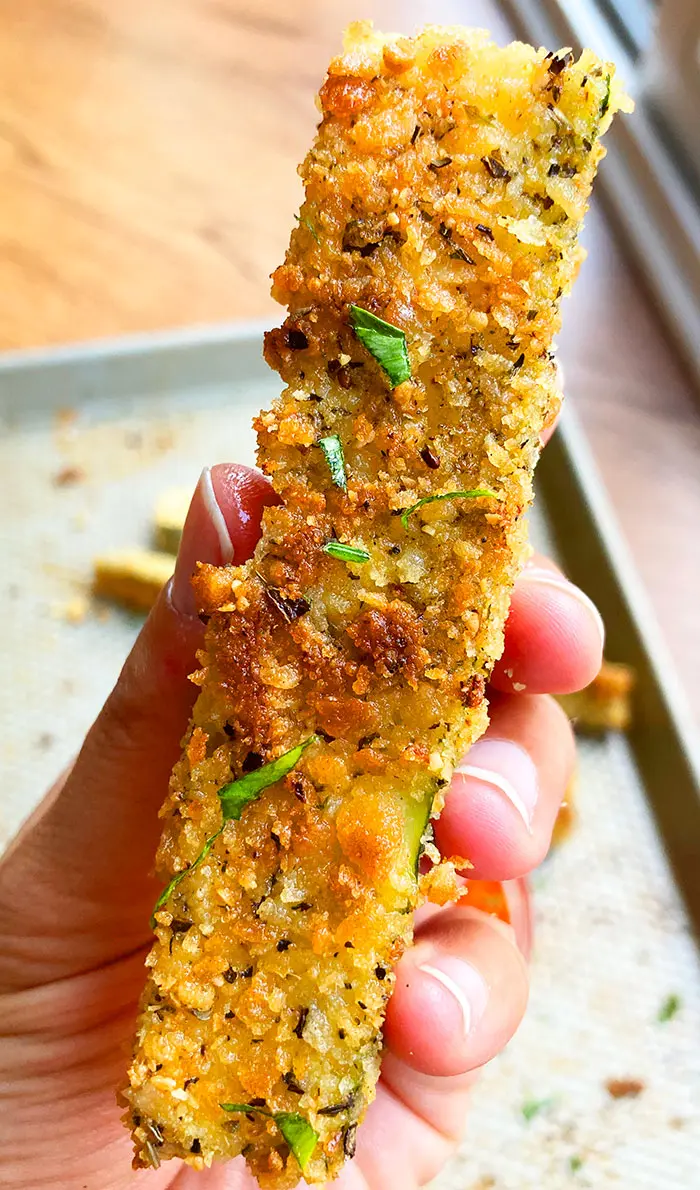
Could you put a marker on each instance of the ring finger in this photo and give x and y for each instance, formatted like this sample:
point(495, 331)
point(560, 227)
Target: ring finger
point(505, 795)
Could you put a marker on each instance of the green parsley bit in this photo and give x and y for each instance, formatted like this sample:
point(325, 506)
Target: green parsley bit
point(332, 449)
point(444, 496)
point(304, 222)
point(235, 796)
point(385, 342)
point(172, 884)
point(298, 1133)
point(345, 552)
point(575, 1163)
point(533, 1107)
point(669, 1008)
point(606, 98)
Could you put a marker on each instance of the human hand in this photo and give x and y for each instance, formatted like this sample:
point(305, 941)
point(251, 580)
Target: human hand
point(76, 894)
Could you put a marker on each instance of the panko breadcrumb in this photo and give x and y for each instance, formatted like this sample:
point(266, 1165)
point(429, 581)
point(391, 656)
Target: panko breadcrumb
point(444, 194)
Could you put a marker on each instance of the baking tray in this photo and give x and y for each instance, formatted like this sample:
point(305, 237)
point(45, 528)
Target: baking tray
point(89, 436)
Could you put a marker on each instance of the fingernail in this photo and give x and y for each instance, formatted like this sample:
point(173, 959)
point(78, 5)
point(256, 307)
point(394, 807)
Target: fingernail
point(505, 766)
point(205, 538)
point(463, 982)
point(549, 578)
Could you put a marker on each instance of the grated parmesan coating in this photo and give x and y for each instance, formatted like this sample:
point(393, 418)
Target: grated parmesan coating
point(444, 193)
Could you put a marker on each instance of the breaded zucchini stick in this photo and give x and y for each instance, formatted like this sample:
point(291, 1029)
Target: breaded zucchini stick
point(605, 705)
point(444, 195)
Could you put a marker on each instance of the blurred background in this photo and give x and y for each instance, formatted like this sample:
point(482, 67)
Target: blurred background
point(148, 155)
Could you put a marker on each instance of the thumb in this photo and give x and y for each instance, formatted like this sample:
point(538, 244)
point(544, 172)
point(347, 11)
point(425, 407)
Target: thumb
point(76, 888)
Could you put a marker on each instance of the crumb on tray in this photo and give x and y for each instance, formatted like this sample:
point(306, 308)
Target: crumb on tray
point(72, 611)
point(624, 1088)
point(68, 477)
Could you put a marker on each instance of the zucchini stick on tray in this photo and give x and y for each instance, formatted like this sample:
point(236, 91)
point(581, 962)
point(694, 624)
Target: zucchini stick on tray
point(344, 668)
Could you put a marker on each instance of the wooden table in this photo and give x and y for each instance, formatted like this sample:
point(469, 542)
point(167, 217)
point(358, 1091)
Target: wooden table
point(148, 151)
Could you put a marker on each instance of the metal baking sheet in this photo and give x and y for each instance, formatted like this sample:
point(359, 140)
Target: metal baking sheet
point(88, 438)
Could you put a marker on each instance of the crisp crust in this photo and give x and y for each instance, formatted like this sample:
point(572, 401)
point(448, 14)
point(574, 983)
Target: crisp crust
point(444, 193)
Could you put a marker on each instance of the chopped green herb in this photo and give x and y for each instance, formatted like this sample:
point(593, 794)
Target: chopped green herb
point(304, 222)
point(172, 884)
point(385, 342)
point(443, 496)
point(533, 1107)
point(575, 1163)
point(669, 1008)
point(606, 98)
point(298, 1133)
point(332, 449)
point(233, 1107)
point(346, 553)
point(235, 796)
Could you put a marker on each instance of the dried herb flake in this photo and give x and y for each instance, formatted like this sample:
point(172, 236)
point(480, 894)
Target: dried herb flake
point(605, 105)
point(496, 167)
point(286, 605)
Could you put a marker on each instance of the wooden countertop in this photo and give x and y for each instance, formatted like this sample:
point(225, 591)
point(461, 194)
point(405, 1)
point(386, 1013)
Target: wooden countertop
point(148, 158)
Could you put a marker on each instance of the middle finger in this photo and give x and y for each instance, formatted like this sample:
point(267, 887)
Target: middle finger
point(505, 795)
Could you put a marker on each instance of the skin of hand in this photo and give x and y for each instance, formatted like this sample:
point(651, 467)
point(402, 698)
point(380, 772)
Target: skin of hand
point(76, 890)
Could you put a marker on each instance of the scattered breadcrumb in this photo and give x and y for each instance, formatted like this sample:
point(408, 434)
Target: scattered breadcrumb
point(74, 611)
point(64, 417)
point(624, 1088)
point(68, 477)
point(566, 817)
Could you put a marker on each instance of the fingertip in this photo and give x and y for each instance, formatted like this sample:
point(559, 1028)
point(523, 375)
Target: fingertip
point(222, 525)
point(554, 637)
point(460, 994)
point(504, 797)
point(242, 493)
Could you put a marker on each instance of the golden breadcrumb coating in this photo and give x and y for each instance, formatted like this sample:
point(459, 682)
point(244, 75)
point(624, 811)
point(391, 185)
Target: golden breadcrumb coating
point(444, 194)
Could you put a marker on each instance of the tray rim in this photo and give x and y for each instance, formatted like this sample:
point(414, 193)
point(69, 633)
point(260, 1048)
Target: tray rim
point(85, 351)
